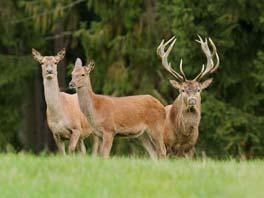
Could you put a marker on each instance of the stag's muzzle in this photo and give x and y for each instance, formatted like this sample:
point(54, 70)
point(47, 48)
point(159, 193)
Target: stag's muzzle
point(192, 101)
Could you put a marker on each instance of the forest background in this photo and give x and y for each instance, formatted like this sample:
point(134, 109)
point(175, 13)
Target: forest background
point(121, 36)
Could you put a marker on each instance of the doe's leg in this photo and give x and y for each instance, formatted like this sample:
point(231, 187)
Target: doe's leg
point(157, 138)
point(60, 144)
point(82, 147)
point(100, 145)
point(74, 140)
point(96, 142)
point(107, 144)
point(147, 144)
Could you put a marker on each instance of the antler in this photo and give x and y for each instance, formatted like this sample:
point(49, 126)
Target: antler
point(164, 57)
point(210, 67)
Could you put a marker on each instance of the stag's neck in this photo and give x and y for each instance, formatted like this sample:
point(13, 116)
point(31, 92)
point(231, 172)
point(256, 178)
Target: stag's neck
point(86, 99)
point(186, 120)
point(52, 96)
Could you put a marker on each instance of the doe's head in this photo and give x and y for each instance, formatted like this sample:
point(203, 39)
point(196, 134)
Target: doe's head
point(190, 89)
point(80, 74)
point(49, 63)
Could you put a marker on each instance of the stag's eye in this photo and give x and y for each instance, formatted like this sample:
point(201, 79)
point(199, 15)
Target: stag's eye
point(182, 90)
point(198, 90)
point(83, 75)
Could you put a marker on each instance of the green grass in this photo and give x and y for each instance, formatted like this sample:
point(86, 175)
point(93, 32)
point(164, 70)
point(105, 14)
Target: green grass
point(26, 175)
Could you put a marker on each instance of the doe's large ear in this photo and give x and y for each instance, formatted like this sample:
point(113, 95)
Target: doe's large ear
point(36, 55)
point(175, 84)
point(89, 67)
point(206, 83)
point(78, 63)
point(60, 55)
point(91, 64)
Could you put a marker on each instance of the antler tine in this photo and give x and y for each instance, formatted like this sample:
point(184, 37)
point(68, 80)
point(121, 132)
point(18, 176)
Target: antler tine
point(172, 38)
point(164, 57)
point(210, 67)
point(169, 68)
point(209, 56)
point(161, 46)
point(182, 72)
point(198, 76)
point(200, 39)
point(216, 55)
point(206, 50)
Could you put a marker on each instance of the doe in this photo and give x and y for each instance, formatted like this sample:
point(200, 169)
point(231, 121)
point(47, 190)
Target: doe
point(64, 116)
point(128, 116)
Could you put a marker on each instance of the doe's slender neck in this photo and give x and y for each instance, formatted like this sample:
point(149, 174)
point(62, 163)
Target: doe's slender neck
point(86, 101)
point(51, 92)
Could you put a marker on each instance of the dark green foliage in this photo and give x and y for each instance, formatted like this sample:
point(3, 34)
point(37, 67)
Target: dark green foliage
point(14, 71)
point(122, 36)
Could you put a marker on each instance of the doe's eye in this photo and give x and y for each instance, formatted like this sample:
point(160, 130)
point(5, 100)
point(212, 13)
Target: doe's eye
point(182, 90)
point(83, 75)
point(198, 90)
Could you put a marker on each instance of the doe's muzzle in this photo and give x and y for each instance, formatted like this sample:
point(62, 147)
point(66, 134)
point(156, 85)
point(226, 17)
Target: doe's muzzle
point(49, 71)
point(72, 85)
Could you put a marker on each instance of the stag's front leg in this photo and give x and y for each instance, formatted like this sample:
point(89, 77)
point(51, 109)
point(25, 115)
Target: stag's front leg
point(73, 140)
point(107, 144)
point(189, 154)
point(60, 144)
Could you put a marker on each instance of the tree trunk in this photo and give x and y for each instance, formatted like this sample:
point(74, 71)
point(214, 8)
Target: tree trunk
point(58, 45)
point(35, 134)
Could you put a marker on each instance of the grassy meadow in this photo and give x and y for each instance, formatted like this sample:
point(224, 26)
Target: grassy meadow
point(24, 175)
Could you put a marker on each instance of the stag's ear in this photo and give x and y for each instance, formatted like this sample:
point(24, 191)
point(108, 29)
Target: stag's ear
point(206, 83)
point(37, 56)
point(175, 84)
point(60, 55)
point(87, 70)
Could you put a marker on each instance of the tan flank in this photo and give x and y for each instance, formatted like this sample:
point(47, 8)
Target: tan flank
point(64, 116)
point(129, 116)
point(183, 116)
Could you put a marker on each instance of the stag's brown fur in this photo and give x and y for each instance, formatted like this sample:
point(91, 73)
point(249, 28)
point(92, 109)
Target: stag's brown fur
point(183, 116)
point(124, 116)
point(181, 125)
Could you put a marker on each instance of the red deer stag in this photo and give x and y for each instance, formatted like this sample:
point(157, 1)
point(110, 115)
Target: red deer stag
point(183, 116)
point(64, 116)
point(127, 116)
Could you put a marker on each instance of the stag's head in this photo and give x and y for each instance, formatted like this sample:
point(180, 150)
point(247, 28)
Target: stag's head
point(80, 74)
point(48, 63)
point(190, 89)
